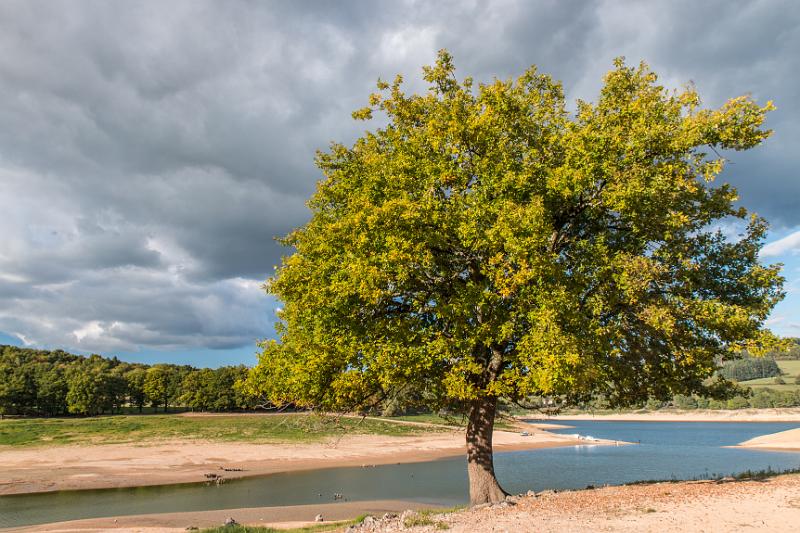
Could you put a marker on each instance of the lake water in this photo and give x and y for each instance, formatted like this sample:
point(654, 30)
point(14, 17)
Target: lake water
point(668, 450)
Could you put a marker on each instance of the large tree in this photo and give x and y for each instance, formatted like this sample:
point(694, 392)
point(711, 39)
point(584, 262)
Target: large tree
point(485, 242)
point(162, 384)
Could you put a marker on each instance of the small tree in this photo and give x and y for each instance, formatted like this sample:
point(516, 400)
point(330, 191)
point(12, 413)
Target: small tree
point(487, 243)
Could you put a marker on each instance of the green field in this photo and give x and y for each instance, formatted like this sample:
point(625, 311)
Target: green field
point(248, 428)
point(790, 369)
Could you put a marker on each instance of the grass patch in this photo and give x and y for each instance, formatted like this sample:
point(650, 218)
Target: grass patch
point(790, 370)
point(789, 367)
point(747, 475)
point(770, 384)
point(763, 474)
point(423, 520)
point(425, 517)
point(238, 428)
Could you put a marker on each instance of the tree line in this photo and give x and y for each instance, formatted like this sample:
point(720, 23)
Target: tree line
point(52, 383)
point(749, 368)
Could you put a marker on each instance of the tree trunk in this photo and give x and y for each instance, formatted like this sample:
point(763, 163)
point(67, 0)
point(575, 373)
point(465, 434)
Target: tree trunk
point(483, 485)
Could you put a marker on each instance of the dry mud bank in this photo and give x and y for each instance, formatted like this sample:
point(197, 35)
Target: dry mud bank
point(41, 469)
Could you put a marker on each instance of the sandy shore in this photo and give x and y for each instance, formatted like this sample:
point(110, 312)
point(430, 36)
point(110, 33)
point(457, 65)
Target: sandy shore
point(277, 517)
point(788, 414)
point(785, 440)
point(768, 505)
point(771, 505)
point(40, 469)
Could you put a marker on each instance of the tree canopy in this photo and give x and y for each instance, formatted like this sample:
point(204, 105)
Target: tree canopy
point(487, 242)
point(54, 383)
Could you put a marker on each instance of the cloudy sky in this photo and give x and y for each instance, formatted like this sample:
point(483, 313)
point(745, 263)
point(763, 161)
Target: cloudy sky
point(151, 151)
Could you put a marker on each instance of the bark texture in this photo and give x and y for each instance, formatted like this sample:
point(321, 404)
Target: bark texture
point(483, 485)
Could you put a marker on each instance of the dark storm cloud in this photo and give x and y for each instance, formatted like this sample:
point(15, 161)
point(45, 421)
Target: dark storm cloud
point(151, 151)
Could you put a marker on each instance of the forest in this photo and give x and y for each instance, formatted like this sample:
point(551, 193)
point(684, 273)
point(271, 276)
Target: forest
point(53, 383)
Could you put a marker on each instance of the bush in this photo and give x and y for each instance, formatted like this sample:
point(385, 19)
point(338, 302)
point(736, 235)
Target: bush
point(779, 381)
point(738, 402)
point(653, 404)
point(762, 399)
point(684, 402)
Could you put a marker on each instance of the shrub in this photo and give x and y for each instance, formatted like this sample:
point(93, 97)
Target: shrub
point(684, 402)
point(737, 402)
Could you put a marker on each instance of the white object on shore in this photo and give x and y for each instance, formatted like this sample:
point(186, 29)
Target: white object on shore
point(583, 437)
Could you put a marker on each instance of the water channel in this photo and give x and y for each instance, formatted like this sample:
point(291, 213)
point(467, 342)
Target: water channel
point(664, 450)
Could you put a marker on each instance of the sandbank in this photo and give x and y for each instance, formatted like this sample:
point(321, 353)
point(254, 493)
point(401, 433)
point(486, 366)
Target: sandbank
point(278, 517)
point(75, 467)
point(671, 507)
point(788, 440)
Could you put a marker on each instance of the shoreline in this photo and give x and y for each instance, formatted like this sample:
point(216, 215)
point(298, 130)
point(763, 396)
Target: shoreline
point(783, 441)
point(785, 414)
point(671, 506)
point(84, 467)
point(663, 507)
point(291, 516)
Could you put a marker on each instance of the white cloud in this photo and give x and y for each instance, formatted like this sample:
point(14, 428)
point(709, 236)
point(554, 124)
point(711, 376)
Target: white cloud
point(788, 244)
point(25, 340)
point(91, 331)
point(143, 179)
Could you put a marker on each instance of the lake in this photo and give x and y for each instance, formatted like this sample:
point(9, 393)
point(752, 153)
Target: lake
point(667, 450)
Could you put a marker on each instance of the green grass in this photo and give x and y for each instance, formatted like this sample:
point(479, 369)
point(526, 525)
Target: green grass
point(248, 428)
point(747, 475)
point(426, 517)
point(790, 369)
point(421, 521)
point(791, 387)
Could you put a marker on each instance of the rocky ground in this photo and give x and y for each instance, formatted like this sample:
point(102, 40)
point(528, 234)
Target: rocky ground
point(705, 506)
